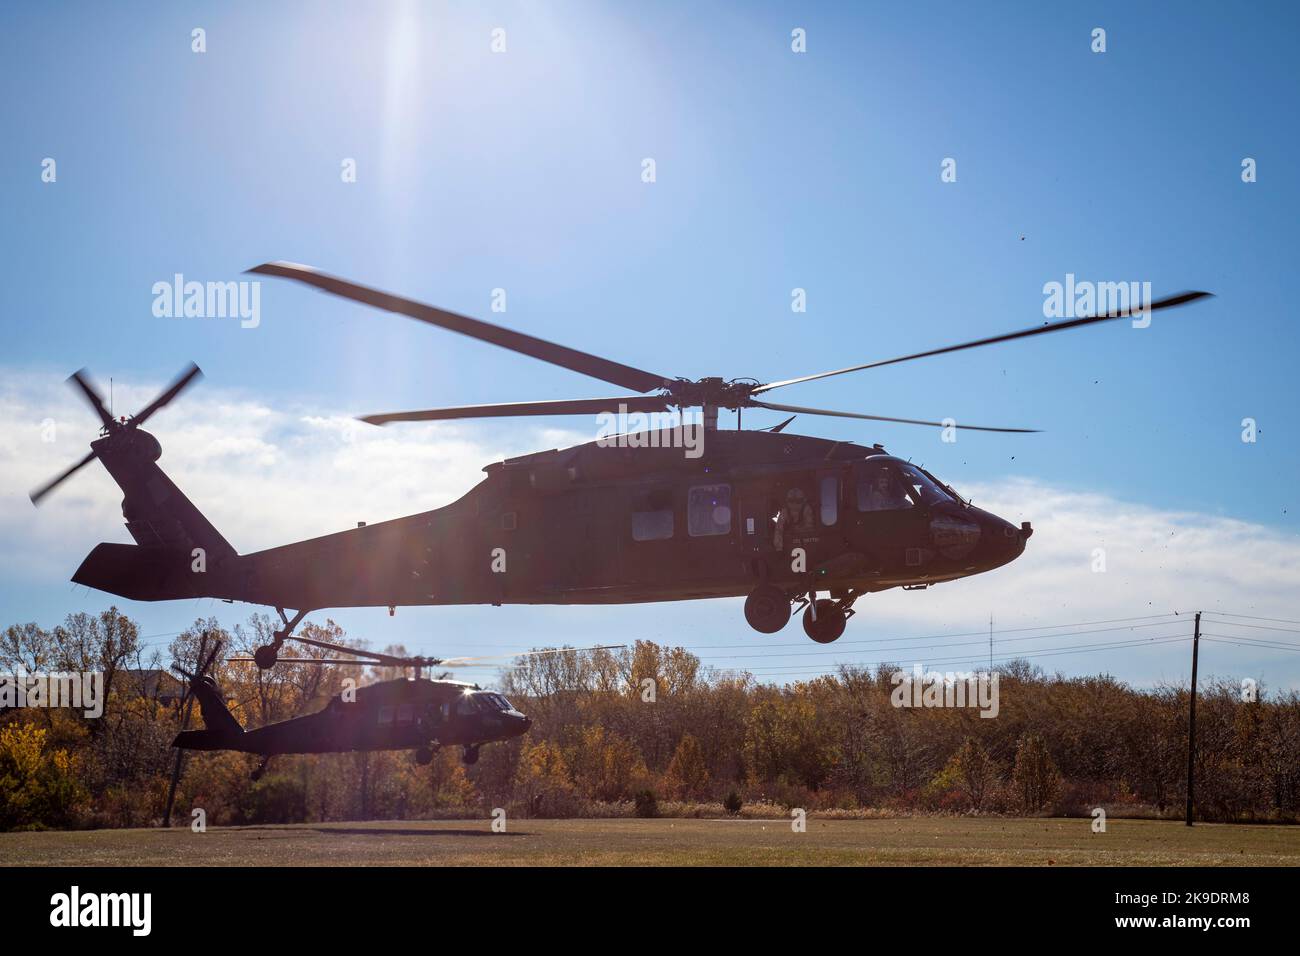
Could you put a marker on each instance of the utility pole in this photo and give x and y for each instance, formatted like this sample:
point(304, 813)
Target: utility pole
point(1191, 720)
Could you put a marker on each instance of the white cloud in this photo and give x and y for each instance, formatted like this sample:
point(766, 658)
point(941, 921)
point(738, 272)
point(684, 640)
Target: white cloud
point(1156, 560)
point(262, 476)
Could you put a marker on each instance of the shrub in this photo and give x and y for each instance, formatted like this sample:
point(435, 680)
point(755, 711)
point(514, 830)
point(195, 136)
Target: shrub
point(732, 803)
point(967, 780)
point(646, 805)
point(275, 799)
point(38, 785)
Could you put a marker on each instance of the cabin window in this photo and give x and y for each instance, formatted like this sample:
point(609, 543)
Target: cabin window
point(385, 715)
point(405, 714)
point(466, 707)
point(830, 499)
point(652, 516)
point(708, 510)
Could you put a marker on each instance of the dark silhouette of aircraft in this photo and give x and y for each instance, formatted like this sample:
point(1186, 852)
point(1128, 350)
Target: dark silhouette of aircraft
point(408, 713)
point(789, 522)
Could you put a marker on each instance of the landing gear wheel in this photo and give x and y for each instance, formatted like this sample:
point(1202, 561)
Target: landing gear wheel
point(767, 609)
point(424, 756)
point(267, 655)
point(829, 623)
point(470, 756)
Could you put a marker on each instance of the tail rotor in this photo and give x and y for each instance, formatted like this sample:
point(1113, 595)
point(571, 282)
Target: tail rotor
point(110, 427)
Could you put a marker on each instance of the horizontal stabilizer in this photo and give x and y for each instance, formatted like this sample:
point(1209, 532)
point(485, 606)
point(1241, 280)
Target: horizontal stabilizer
point(141, 573)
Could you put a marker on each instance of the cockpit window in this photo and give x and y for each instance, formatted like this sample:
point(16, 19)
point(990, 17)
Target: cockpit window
point(479, 702)
point(922, 487)
point(891, 485)
point(880, 488)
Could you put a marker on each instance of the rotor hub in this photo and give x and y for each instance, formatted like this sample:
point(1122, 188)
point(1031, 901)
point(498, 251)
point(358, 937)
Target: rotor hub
point(712, 392)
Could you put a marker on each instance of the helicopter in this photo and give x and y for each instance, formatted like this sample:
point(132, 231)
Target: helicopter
point(405, 713)
point(791, 523)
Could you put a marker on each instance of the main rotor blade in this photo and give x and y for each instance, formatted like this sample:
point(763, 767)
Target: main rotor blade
point(178, 385)
point(342, 649)
point(456, 662)
point(593, 365)
point(326, 645)
point(881, 418)
point(304, 660)
point(386, 660)
point(45, 489)
point(374, 658)
point(1182, 298)
point(578, 406)
point(80, 379)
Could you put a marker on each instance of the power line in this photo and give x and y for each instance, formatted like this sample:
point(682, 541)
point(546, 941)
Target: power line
point(1249, 642)
point(1252, 617)
point(980, 634)
point(1076, 649)
point(1258, 627)
point(923, 647)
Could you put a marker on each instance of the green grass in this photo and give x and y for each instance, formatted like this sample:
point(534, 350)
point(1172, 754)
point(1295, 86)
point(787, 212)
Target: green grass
point(907, 842)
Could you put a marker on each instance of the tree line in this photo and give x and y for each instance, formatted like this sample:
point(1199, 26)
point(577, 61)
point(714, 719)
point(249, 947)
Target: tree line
point(645, 730)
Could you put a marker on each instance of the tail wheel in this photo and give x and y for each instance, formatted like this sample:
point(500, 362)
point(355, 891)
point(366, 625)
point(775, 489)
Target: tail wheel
point(266, 656)
point(828, 624)
point(767, 609)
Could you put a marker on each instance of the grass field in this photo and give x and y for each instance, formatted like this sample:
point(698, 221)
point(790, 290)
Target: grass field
point(901, 842)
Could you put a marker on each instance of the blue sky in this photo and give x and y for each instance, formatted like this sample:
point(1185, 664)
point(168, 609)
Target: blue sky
point(775, 170)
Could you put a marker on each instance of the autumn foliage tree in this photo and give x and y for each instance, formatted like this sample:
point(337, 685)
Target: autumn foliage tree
point(649, 720)
point(688, 776)
point(38, 784)
point(972, 772)
point(1035, 776)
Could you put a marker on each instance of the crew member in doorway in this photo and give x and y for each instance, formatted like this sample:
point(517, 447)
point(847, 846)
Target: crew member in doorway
point(794, 519)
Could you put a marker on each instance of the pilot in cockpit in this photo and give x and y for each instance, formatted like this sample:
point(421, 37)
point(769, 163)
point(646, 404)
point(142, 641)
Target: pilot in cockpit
point(883, 493)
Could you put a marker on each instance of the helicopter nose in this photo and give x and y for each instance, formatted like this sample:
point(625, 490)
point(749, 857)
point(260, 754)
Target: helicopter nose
point(1009, 541)
point(522, 725)
point(1001, 542)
